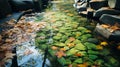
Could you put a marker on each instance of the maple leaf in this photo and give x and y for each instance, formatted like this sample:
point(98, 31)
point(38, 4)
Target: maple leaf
point(60, 54)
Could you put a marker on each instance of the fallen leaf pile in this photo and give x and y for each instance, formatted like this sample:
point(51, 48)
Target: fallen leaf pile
point(111, 28)
point(14, 34)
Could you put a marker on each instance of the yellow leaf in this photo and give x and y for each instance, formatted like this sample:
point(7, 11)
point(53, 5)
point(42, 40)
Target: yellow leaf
point(82, 65)
point(62, 49)
point(99, 47)
point(70, 44)
point(105, 25)
point(88, 31)
point(104, 43)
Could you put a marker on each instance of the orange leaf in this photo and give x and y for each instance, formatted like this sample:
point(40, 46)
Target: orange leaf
point(78, 54)
point(105, 25)
point(54, 48)
point(60, 54)
point(62, 49)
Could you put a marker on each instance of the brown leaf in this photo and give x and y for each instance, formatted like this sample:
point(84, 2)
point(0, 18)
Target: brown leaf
point(9, 55)
point(105, 25)
point(8, 40)
point(2, 64)
point(4, 47)
point(114, 28)
point(72, 39)
point(0, 38)
point(27, 52)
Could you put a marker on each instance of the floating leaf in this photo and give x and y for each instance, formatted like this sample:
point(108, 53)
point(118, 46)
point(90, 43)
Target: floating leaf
point(82, 65)
point(93, 57)
point(71, 39)
point(104, 43)
point(70, 44)
point(60, 54)
point(90, 45)
point(62, 49)
point(71, 52)
point(62, 60)
point(79, 61)
point(27, 52)
point(78, 54)
point(80, 46)
point(8, 55)
point(99, 47)
point(54, 48)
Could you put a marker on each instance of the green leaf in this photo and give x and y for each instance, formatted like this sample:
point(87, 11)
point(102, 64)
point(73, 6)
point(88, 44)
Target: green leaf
point(90, 45)
point(93, 57)
point(79, 61)
point(60, 44)
point(71, 52)
point(62, 61)
point(80, 46)
point(93, 52)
